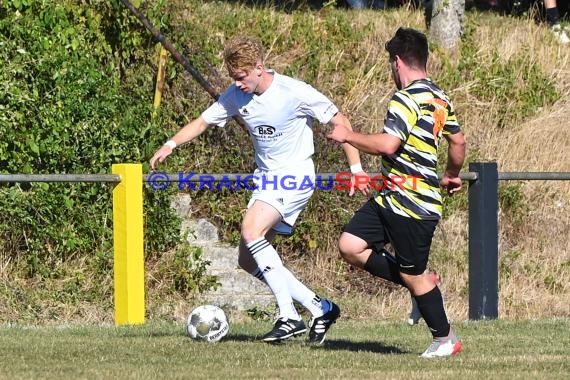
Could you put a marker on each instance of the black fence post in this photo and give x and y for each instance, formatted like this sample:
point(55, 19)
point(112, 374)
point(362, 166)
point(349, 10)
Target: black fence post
point(483, 241)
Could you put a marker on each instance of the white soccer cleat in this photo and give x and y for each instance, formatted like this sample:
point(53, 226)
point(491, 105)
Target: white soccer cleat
point(442, 347)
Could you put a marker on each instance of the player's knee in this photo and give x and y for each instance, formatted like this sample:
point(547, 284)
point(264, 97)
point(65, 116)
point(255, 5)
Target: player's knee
point(248, 235)
point(251, 232)
point(346, 249)
point(352, 249)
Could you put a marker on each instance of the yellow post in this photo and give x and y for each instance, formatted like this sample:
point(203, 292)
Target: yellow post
point(160, 75)
point(128, 244)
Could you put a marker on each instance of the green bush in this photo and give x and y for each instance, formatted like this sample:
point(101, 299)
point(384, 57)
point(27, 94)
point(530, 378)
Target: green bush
point(69, 104)
point(518, 84)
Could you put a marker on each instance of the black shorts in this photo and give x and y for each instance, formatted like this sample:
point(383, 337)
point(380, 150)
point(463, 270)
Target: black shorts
point(411, 238)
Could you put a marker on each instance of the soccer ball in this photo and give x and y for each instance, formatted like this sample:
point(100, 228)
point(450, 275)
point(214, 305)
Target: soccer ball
point(208, 323)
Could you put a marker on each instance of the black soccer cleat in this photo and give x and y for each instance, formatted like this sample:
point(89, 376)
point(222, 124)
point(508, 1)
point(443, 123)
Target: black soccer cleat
point(320, 325)
point(285, 328)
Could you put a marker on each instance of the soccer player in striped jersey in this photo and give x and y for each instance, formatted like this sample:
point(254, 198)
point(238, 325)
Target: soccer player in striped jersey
point(406, 212)
point(278, 111)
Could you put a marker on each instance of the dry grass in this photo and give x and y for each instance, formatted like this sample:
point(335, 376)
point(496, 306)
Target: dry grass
point(542, 241)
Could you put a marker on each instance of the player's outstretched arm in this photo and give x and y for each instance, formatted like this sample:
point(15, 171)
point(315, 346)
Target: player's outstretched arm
point(188, 133)
point(371, 143)
point(360, 179)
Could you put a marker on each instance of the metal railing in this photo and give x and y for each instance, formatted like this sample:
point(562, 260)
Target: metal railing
point(109, 178)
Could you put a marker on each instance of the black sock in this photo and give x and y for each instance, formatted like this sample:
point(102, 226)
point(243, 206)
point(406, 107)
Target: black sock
point(552, 16)
point(382, 264)
point(433, 312)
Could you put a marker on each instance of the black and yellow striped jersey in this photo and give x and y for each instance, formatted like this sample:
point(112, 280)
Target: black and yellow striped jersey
point(419, 115)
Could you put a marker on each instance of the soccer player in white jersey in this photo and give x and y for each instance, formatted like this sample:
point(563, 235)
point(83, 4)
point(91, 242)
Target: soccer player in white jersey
point(277, 111)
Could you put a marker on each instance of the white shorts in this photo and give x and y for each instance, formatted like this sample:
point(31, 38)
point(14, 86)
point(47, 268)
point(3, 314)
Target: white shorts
point(287, 190)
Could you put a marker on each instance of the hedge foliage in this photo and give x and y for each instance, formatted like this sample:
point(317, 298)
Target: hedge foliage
point(68, 105)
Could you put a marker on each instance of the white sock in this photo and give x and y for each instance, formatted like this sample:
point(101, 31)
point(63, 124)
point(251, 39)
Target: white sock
point(305, 296)
point(300, 293)
point(270, 264)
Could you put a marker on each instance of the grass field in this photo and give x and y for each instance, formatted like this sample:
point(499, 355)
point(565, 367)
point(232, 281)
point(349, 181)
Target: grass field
point(492, 349)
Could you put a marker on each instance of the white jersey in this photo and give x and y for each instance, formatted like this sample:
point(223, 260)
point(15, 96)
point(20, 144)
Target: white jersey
point(279, 120)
